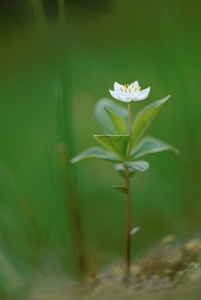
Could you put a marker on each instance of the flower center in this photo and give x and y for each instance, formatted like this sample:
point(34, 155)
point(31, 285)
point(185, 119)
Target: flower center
point(127, 90)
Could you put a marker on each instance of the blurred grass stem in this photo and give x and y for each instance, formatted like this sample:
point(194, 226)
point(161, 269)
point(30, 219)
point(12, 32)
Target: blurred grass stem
point(63, 99)
point(72, 198)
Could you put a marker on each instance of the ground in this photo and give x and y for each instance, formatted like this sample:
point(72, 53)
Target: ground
point(171, 270)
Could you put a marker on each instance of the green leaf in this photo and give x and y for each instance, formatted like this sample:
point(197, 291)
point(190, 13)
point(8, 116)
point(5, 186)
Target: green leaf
point(121, 170)
point(118, 122)
point(117, 144)
point(137, 166)
point(151, 145)
point(133, 167)
point(134, 230)
point(95, 153)
point(110, 123)
point(145, 117)
point(120, 188)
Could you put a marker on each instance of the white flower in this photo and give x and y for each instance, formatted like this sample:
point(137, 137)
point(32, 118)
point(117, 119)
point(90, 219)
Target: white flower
point(128, 93)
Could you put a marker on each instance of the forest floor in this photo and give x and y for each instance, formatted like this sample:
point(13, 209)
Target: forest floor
point(171, 270)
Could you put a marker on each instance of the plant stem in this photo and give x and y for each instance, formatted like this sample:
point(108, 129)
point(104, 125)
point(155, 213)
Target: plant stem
point(128, 204)
point(130, 129)
point(128, 225)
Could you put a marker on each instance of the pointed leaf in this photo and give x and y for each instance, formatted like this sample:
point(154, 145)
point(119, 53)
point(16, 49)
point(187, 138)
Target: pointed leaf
point(121, 170)
point(120, 188)
point(134, 230)
point(145, 117)
point(117, 144)
point(151, 145)
point(137, 166)
point(95, 153)
point(105, 119)
point(118, 122)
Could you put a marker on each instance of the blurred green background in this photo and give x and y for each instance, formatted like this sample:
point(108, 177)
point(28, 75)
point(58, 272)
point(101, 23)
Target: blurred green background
point(57, 60)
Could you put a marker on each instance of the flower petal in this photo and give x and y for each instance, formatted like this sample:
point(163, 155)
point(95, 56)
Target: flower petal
point(143, 94)
point(117, 86)
point(118, 96)
point(134, 94)
point(122, 98)
point(136, 84)
point(113, 94)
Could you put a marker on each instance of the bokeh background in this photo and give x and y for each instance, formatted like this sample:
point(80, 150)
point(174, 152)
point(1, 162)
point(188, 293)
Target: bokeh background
point(57, 59)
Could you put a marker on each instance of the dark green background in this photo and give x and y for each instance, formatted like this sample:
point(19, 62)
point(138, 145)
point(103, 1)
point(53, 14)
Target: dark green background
point(155, 42)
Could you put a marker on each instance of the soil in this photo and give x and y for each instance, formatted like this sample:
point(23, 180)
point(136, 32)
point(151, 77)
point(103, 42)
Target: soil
point(171, 270)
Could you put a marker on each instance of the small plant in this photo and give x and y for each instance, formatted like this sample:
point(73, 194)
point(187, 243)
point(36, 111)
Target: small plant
point(124, 146)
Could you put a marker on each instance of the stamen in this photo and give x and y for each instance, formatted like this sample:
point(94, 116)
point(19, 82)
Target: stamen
point(129, 91)
point(133, 86)
point(121, 89)
point(139, 88)
point(135, 89)
point(125, 85)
